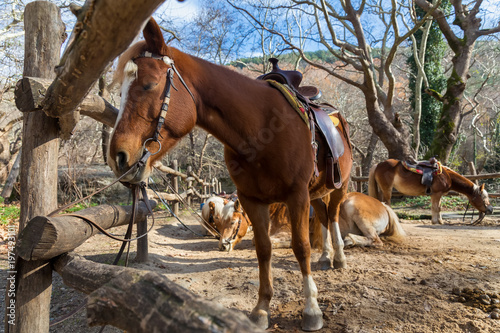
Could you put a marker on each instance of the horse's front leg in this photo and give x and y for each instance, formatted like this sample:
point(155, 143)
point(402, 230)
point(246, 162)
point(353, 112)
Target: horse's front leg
point(436, 208)
point(259, 215)
point(298, 208)
point(325, 261)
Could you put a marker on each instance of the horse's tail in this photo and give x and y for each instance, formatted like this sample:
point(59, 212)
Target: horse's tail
point(394, 232)
point(372, 184)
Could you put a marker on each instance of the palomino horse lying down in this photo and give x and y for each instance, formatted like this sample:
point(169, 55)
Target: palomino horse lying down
point(393, 173)
point(257, 126)
point(363, 219)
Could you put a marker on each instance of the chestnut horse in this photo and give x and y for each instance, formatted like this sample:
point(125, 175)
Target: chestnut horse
point(233, 225)
point(267, 148)
point(391, 173)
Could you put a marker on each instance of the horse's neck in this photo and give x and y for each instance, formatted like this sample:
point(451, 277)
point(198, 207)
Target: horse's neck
point(461, 184)
point(227, 101)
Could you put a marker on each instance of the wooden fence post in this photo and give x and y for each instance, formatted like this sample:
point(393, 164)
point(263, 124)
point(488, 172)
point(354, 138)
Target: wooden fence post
point(189, 184)
point(359, 187)
point(44, 34)
point(175, 182)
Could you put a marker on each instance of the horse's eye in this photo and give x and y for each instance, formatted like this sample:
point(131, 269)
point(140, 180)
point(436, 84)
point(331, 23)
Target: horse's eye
point(149, 86)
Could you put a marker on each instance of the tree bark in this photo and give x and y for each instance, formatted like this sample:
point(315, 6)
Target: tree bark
point(103, 31)
point(11, 179)
point(44, 36)
point(466, 18)
point(30, 93)
point(47, 237)
point(125, 297)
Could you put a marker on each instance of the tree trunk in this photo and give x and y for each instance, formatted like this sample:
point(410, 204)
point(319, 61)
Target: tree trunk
point(43, 39)
point(125, 297)
point(447, 128)
point(11, 179)
point(47, 237)
point(104, 30)
point(396, 142)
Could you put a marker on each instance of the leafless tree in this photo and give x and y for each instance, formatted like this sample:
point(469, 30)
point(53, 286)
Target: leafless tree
point(365, 38)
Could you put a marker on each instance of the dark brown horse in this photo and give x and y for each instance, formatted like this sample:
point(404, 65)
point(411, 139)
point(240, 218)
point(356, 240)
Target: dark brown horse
point(391, 173)
point(267, 147)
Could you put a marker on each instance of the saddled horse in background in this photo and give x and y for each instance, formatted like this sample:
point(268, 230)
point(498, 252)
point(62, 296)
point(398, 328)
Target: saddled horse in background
point(267, 148)
point(392, 173)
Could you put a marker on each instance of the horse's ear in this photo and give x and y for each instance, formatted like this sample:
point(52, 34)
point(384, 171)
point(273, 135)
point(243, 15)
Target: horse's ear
point(482, 187)
point(154, 38)
point(237, 205)
point(211, 205)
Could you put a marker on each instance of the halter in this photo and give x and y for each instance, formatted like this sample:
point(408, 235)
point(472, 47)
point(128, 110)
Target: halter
point(166, 100)
point(237, 230)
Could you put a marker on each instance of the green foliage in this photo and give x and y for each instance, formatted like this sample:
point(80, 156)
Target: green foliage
point(8, 213)
point(424, 202)
point(433, 68)
point(290, 58)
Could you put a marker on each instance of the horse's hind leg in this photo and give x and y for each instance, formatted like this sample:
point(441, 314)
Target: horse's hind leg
point(298, 208)
point(326, 258)
point(336, 197)
point(259, 215)
point(436, 208)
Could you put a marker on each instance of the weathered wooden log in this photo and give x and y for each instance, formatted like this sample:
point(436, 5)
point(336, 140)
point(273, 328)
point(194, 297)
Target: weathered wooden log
point(104, 29)
point(141, 301)
point(30, 93)
point(47, 237)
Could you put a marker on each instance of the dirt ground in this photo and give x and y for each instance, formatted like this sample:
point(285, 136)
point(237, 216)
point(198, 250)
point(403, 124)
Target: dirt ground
point(404, 287)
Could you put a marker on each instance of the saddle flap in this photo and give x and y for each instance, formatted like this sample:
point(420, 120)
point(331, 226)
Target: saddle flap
point(330, 132)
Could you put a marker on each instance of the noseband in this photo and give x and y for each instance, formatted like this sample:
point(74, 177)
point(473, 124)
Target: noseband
point(166, 100)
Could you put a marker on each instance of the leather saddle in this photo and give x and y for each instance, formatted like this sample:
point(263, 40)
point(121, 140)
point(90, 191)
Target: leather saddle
point(318, 115)
point(428, 169)
point(292, 79)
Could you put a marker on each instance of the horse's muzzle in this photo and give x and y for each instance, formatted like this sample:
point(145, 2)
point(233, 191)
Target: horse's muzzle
point(225, 245)
point(489, 210)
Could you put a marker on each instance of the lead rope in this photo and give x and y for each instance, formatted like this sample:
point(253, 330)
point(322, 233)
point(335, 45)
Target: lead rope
point(98, 227)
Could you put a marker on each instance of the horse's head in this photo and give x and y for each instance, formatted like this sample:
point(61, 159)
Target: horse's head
point(481, 201)
point(152, 116)
point(234, 226)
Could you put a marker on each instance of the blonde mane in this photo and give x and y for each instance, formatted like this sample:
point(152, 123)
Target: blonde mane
point(129, 54)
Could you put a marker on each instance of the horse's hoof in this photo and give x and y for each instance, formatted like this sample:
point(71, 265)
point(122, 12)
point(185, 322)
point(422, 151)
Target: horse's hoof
point(339, 264)
point(260, 318)
point(348, 242)
point(312, 322)
point(325, 265)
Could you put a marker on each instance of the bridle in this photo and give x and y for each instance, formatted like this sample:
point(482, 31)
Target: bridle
point(166, 99)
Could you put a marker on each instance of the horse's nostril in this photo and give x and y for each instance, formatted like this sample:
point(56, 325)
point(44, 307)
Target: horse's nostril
point(121, 160)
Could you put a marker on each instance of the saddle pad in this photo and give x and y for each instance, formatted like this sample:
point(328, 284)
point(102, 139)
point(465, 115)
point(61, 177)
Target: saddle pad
point(292, 99)
point(330, 132)
point(420, 170)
